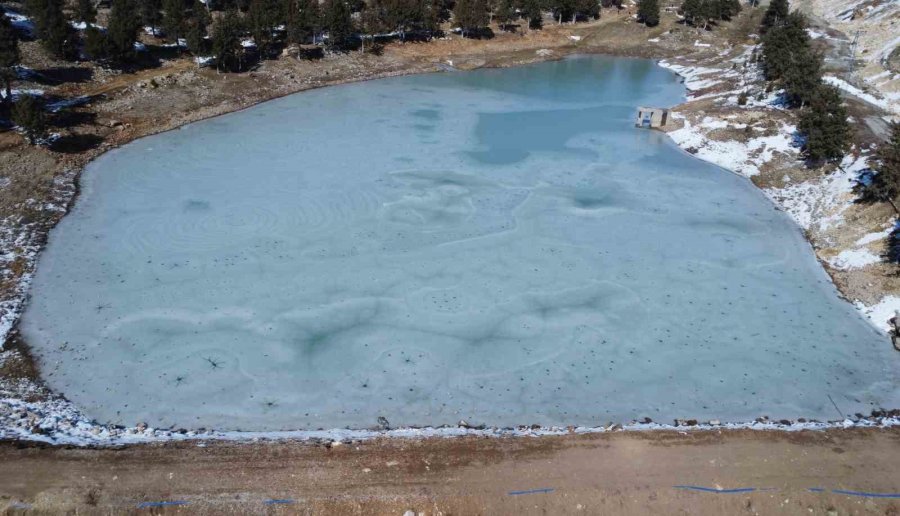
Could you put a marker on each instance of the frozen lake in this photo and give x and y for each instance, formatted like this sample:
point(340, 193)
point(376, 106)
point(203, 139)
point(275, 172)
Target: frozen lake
point(500, 246)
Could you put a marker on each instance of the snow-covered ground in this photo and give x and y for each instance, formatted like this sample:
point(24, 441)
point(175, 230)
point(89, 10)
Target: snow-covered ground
point(875, 23)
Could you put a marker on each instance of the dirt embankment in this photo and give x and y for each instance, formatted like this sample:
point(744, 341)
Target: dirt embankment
point(833, 472)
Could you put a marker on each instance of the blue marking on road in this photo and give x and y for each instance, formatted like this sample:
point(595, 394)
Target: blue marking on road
point(532, 491)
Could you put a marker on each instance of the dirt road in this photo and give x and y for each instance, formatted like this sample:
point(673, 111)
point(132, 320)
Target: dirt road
point(617, 473)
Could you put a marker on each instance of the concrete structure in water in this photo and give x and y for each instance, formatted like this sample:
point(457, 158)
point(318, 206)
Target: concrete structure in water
point(651, 117)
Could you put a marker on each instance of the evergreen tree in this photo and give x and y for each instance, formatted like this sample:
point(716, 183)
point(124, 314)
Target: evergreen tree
point(53, 28)
point(728, 9)
point(803, 76)
point(28, 114)
point(149, 11)
point(96, 44)
point(197, 25)
point(691, 10)
point(86, 11)
point(9, 57)
point(782, 43)
point(338, 23)
point(588, 9)
point(892, 253)
point(885, 185)
point(173, 20)
point(824, 125)
point(775, 13)
point(533, 12)
point(470, 15)
point(564, 11)
point(226, 42)
point(504, 14)
point(648, 12)
point(436, 14)
point(309, 22)
point(262, 18)
point(124, 25)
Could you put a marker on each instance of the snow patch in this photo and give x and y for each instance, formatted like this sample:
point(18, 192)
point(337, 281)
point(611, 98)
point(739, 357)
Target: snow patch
point(880, 313)
point(854, 259)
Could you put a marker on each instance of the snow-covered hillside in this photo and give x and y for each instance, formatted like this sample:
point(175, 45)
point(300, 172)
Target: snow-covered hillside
point(877, 23)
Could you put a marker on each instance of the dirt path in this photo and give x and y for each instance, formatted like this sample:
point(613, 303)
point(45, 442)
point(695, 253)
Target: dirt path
point(619, 473)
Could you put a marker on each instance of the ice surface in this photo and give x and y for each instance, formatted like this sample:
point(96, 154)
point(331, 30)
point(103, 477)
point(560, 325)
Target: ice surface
point(500, 246)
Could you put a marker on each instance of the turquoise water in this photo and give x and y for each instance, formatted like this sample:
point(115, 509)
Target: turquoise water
point(500, 246)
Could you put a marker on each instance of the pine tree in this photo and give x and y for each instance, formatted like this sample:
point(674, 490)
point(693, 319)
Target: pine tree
point(197, 25)
point(803, 76)
point(533, 12)
point(587, 9)
point(470, 15)
point(54, 30)
point(782, 43)
point(564, 10)
point(96, 44)
point(777, 11)
point(436, 14)
point(9, 57)
point(504, 14)
point(86, 11)
point(173, 20)
point(648, 12)
point(149, 11)
point(885, 185)
point(124, 25)
point(825, 127)
point(226, 42)
point(262, 18)
point(728, 9)
point(691, 10)
point(310, 20)
point(28, 114)
point(338, 23)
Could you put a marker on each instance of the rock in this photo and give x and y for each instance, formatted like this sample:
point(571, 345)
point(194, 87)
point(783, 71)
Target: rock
point(383, 423)
point(141, 426)
point(715, 422)
point(544, 52)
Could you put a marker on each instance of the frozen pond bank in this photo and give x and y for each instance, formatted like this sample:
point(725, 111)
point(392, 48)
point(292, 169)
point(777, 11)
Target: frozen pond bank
point(499, 246)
